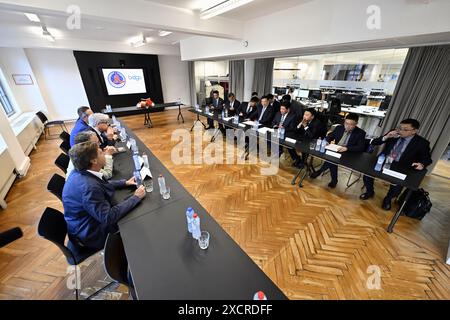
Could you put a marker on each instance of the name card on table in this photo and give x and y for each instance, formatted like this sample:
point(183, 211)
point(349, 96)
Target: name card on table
point(264, 130)
point(145, 172)
point(128, 144)
point(290, 140)
point(242, 125)
point(227, 118)
point(332, 147)
point(394, 174)
point(141, 161)
point(333, 154)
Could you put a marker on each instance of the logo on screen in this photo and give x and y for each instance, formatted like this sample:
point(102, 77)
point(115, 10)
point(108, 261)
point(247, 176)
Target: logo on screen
point(116, 79)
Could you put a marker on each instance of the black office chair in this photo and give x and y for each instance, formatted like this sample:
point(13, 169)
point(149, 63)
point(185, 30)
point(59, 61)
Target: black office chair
point(56, 185)
point(65, 136)
point(47, 124)
point(62, 162)
point(333, 112)
point(52, 227)
point(8, 236)
point(116, 263)
point(65, 146)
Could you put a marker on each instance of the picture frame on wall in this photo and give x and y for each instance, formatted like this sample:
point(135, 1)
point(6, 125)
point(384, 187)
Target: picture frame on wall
point(22, 79)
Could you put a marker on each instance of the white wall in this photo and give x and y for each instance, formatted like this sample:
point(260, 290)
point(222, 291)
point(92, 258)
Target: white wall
point(330, 24)
point(25, 97)
point(174, 79)
point(60, 82)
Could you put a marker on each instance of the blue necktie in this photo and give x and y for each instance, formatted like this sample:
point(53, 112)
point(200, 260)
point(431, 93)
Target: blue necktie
point(397, 150)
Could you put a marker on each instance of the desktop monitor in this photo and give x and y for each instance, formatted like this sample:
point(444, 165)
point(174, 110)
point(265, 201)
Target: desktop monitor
point(353, 99)
point(315, 94)
point(302, 93)
point(280, 91)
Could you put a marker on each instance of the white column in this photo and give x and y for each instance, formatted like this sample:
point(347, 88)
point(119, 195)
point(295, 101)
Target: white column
point(249, 71)
point(21, 161)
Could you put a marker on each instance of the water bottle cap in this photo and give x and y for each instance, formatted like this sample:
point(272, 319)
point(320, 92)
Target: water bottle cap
point(160, 175)
point(189, 208)
point(195, 215)
point(260, 295)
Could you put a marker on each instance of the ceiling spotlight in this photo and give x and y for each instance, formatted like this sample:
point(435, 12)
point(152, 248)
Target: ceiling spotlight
point(47, 35)
point(163, 33)
point(142, 41)
point(32, 17)
point(222, 7)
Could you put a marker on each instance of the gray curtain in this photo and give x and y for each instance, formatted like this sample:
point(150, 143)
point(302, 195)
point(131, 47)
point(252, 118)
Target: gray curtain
point(423, 93)
point(192, 91)
point(237, 78)
point(263, 76)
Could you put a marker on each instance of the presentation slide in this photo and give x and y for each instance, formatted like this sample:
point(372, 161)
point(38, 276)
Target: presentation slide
point(124, 81)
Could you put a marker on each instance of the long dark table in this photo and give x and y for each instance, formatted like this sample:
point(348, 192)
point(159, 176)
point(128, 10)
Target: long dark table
point(363, 163)
point(128, 111)
point(165, 261)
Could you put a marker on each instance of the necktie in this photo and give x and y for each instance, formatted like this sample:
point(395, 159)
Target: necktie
point(283, 117)
point(262, 113)
point(397, 150)
point(343, 141)
point(248, 109)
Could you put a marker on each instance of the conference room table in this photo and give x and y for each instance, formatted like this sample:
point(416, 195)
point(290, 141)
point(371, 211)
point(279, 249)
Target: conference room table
point(165, 261)
point(362, 163)
point(133, 110)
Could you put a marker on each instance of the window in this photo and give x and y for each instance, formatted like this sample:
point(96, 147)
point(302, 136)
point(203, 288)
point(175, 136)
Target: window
point(211, 75)
point(6, 103)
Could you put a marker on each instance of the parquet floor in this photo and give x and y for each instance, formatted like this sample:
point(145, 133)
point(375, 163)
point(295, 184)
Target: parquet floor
point(314, 243)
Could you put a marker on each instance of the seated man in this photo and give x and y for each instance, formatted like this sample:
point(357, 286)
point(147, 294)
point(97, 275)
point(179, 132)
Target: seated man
point(107, 170)
point(284, 119)
point(296, 107)
point(264, 113)
point(309, 128)
point(232, 105)
point(99, 123)
point(81, 124)
point(274, 103)
point(250, 110)
point(87, 198)
point(350, 138)
point(407, 148)
point(215, 106)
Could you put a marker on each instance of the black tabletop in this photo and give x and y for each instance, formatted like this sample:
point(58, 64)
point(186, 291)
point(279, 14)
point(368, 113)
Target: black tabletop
point(361, 162)
point(164, 259)
point(135, 109)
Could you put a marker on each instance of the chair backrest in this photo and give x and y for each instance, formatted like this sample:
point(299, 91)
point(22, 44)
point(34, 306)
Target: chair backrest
point(115, 260)
point(56, 185)
point(42, 117)
point(335, 106)
point(52, 226)
point(368, 147)
point(65, 146)
point(62, 162)
point(64, 136)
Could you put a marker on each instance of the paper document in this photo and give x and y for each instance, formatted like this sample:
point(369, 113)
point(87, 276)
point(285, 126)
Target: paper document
point(332, 147)
point(394, 174)
point(145, 172)
point(249, 123)
point(333, 154)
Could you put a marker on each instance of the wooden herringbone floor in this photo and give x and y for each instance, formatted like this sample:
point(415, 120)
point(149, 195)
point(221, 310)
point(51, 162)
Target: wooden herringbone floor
point(312, 242)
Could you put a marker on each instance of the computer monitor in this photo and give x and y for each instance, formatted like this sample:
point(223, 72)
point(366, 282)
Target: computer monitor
point(352, 99)
point(315, 94)
point(280, 90)
point(302, 93)
point(385, 104)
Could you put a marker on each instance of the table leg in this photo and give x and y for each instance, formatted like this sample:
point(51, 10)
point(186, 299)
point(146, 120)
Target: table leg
point(198, 120)
point(390, 228)
point(294, 179)
point(215, 135)
point(180, 114)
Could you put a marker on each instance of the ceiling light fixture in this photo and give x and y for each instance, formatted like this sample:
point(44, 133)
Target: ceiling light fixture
point(32, 17)
point(142, 41)
point(222, 7)
point(163, 33)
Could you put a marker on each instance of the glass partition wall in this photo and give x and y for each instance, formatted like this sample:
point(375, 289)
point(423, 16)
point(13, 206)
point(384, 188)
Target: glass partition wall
point(209, 76)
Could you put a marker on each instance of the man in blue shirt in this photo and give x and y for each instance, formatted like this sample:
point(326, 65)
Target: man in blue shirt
point(87, 198)
point(81, 124)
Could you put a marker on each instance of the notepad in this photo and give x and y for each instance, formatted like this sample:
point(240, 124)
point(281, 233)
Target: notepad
point(145, 172)
point(333, 154)
point(290, 140)
point(249, 123)
point(128, 144)
point(242, 125)
point(394, 174)
point(332, 147)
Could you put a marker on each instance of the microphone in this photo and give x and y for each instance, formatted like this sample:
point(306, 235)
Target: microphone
point(10, 236)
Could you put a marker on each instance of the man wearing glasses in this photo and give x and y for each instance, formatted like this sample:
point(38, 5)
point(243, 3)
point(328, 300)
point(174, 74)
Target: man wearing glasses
point(405, 147)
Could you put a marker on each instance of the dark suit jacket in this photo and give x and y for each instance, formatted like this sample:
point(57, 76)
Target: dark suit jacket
point(297, 108)
point(88, 208)
point(356, 142)
point(236, 107)
point(219, 107)
point(288, 124)
point(248, 115)
point(314, 130)
point(418, 150)
point(276, 106)
point(268, 115)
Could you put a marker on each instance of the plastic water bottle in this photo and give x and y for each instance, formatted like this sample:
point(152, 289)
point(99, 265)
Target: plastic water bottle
point(281, 133)
point(223, 114)
point(162, 184)
point(323, 145)
point(259, 296)
point(256, 125)
point(189, 218)
point(137, 176)
point(145, 158)
point(114, 120)
point(236, 119)
point(318, 144)
point(197, 107)
point(380, 162)
point(196, 232)
point(226, 113)
point(137, 164)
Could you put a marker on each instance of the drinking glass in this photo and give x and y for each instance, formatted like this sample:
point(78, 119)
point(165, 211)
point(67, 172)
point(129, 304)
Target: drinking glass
point(166, 195)
point(203, 241)
point(148, 184)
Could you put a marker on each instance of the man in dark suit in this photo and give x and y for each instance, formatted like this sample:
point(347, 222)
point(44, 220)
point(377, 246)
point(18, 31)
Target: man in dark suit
point(250, 110)
point(216, 106)
point(81, 124)
point(296, 107)
point(310, 128)
point(274, 103)
point(407, 149)
point(232, 105)
point(350, 138)
point(87, 198)
point(265, 113)
point(284, 119)
point(99, 123)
